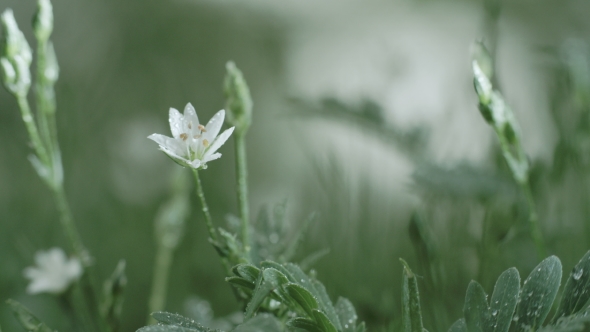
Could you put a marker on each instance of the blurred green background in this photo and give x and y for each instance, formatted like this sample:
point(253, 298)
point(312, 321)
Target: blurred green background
point(364, 113)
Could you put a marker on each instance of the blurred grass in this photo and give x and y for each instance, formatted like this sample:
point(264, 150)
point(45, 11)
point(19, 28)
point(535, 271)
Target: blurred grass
point(123, 64)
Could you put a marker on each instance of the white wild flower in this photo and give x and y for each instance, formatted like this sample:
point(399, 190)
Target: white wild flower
point(53, 272)
point(192, 144)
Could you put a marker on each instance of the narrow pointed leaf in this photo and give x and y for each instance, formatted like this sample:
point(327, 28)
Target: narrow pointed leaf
point(247, 271)
point(241, 282)
point(26, 318)
point(176, 320)
point(169, 328)
point(537, 295)
point(279, 267)
point(459, 326)
point(263, 288)
point(411, 312)
point(476, 310)
point(323, 321)
point(504, 300)
point(346, 314)
point(576, 292)
point(304, 324)
point(302, 297)
point(262, 322)
point(325, 303)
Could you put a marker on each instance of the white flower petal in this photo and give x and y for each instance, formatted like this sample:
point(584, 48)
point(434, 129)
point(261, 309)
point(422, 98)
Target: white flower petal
point(213, 126)
point(177, 147)
point(176, 119)
point(191, 120)
point(219, 141)
point(212, 157)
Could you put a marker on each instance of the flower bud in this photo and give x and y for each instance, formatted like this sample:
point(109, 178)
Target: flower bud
point(238, 99)
point(15, 56)
point(43, 21)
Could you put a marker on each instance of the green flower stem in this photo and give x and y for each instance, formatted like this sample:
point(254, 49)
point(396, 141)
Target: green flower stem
point(205, 207)
point(242, 174)
point(29, 121)
point(160, 282)
point(87, 283)
point(67, 223)
point(534, 221)
point(209, 222)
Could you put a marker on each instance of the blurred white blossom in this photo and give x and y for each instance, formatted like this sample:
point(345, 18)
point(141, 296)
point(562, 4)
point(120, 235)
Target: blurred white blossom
point(193, 144)
point(53, 272)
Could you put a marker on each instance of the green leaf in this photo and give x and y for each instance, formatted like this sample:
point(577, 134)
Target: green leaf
point(323, 321)
point(26, 318)
point(247, 271)
point(304, 324)
point(262, 322)
point(279, 267)
point(167, 328)
point(537, 295)
point(576, 292)
point(459, 326)
point(302, 297)
point(176, 320)
point(361, 327)
point(476, 311)
point(504, 300)
point(326, 303)
point(346, 314)
point(317, 289)
point(571, 323)
point(263, 288)
point(411, 312)
point(241, 282)
point(278, 280)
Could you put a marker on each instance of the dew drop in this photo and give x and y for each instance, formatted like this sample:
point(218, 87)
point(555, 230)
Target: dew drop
point(494, 313)
point(578, 274)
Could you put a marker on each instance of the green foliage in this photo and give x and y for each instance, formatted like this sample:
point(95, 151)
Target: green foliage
point(526, 310)
point(285, 290)
point(411, 312)
point(27, 320)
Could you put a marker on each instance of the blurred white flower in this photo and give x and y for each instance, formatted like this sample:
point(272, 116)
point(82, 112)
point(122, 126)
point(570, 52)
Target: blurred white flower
point(53, 272)
point(193, 144)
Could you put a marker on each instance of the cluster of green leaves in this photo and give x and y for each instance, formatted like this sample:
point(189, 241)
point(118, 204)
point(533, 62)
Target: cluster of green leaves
point(278, 296)
point(515, 308)
point(292, 295)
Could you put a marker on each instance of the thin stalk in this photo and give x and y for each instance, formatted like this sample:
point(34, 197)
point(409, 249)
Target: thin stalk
point(67, 223)
point(205, 207)
point(31, 126)
point(242, 174)
point(534, 221)
point(160, 282)
point(209, 222)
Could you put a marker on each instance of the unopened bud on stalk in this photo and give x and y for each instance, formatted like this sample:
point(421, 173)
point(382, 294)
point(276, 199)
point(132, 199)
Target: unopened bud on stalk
point(15, 56)
point(238, 99)
point(43, 21)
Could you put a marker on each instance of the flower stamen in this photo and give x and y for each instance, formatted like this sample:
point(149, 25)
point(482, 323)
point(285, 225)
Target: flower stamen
point(202, 128)
point(184, 136)
point(206, 143)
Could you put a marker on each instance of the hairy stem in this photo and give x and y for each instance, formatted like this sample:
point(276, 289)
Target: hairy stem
point(205, 207)
point(242, 174)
